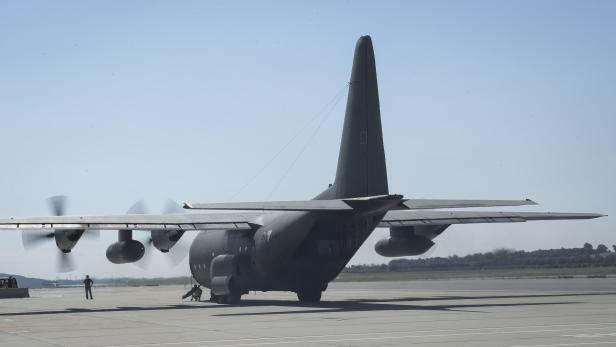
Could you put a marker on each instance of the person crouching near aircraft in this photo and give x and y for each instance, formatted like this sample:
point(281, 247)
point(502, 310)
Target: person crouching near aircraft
point(194, 293)
point(197, 294)
point(88, 286)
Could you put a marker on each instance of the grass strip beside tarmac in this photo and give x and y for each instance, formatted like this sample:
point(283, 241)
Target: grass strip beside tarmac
point(590, 272)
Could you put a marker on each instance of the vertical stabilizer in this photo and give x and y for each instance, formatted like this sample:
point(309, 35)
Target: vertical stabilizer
point(361, 162)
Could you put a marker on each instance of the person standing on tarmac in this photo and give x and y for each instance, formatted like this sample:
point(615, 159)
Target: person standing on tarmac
point(88, 285)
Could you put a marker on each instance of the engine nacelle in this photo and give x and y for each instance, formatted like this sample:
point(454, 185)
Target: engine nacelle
point(403, 246)
point(127, 251)
point(163, 240)
point(67, 239)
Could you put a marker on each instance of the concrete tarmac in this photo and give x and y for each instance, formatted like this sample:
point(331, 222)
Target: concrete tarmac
point(516, 312)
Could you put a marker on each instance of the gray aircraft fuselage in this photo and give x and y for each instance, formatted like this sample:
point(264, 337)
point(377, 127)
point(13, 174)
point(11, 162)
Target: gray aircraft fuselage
point(292, 251)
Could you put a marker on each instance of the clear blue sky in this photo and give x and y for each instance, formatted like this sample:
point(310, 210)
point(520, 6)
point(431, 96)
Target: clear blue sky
point(112, 102)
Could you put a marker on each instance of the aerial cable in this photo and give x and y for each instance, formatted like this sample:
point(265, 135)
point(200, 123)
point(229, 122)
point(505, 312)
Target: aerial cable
point(333, 100)
point(312, 136)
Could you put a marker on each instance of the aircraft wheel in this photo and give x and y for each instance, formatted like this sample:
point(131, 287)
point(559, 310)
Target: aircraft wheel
point(231, 299)
point(309, 295)
point(234, 299)
point(213, 298)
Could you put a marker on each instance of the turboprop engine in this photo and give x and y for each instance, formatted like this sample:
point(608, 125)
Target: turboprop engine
point(127, 250)
point(403, 246)
point(163, 240)
point(67, 239)
point(408, 241)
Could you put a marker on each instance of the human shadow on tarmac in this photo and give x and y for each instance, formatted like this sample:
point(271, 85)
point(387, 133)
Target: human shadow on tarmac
point(350, 305)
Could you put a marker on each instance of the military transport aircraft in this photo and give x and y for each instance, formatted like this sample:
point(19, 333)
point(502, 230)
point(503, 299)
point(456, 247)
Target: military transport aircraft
point(297, 246)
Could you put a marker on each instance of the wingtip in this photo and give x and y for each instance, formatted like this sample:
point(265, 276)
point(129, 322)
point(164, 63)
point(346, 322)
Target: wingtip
point(596, 215)
point(531, 202)
point(186, 205)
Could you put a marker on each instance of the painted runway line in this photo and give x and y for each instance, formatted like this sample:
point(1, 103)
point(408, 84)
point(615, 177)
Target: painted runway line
point(381, 335)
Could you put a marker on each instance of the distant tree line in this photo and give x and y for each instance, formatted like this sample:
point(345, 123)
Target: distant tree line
point(587, 256)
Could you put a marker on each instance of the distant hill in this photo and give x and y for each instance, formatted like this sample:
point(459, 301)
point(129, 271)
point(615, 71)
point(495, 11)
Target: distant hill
point(584, 257)
point(30, 282)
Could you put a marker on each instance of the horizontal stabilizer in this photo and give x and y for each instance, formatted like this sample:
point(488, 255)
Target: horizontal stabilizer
point(361, 203)
point(306, 205)
point(389, 202)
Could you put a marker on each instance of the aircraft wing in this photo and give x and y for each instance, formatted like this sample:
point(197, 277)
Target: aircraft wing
point(180, 221)
point(428, 204)
point(418, 218)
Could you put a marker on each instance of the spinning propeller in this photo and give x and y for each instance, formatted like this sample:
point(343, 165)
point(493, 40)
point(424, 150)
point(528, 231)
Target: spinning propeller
point(169, 242)
point(65, 239)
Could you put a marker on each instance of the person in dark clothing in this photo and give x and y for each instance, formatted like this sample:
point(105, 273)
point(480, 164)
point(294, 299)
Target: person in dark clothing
point(194, 293)
point(190, 292)
point(88, 285)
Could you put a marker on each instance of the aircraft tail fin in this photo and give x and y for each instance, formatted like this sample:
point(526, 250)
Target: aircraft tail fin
point(361, 162)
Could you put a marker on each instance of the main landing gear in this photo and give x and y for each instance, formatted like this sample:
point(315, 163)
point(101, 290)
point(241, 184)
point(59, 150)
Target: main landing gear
point(304, 295)
point(309, 295)
point(229, 299)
